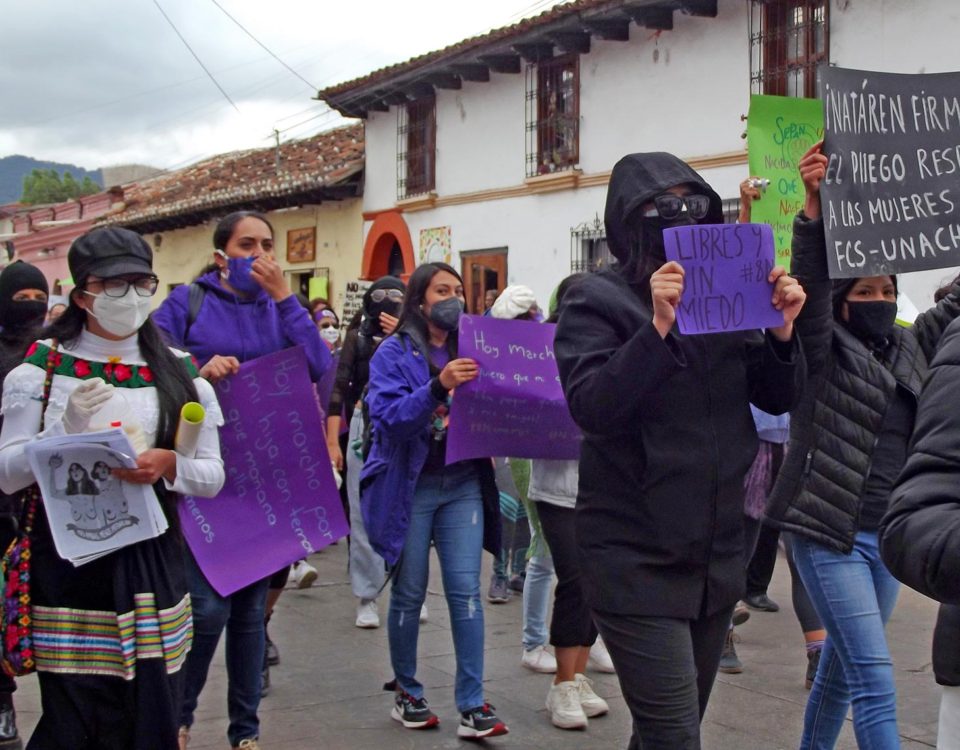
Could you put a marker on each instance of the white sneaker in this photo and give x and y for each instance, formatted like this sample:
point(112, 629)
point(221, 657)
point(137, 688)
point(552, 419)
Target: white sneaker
point(367, 616)
point(563, 703)
point(599, 659)
point(424, 614)
point(538, 659)
point(303, 574)
point(591, 703)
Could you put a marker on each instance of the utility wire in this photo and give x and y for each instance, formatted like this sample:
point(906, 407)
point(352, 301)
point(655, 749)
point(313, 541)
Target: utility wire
point(265, 47)
point(195, 56)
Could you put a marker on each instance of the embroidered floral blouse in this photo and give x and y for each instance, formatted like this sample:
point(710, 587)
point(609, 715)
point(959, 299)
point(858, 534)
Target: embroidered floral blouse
point(121, 364)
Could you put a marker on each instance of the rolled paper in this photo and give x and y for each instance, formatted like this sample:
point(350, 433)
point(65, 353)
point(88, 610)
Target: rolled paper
point(188, 429)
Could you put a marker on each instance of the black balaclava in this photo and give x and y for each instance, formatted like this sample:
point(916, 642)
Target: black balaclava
point(16, 316)
point(371, 310)
point(637, 242)
point(869, 321)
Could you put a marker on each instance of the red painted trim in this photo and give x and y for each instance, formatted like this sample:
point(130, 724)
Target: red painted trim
point(388, 228)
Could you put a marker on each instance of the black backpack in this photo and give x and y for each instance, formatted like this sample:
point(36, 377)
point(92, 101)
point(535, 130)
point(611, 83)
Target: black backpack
point(194, 302)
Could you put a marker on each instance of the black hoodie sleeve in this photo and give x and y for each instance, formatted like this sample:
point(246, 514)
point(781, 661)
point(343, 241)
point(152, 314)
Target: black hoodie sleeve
point(608, 376)
point(808, 265)
point(920, 535)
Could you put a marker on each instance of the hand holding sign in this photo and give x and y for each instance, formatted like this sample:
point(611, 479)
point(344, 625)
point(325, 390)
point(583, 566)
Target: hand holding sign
point(666, 288)
point(457, 372)
point(813, 168)
point(788, 297)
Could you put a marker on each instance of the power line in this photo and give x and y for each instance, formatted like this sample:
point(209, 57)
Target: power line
point(195, 56)
point(265, 47)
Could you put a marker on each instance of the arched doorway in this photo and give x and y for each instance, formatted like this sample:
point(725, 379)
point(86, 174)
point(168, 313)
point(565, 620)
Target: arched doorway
point(388, 249)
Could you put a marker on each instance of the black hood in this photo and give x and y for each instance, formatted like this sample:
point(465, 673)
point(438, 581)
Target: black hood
point(636, 179)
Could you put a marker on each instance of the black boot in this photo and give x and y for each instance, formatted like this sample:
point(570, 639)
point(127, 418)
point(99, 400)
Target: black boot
point(9, 738)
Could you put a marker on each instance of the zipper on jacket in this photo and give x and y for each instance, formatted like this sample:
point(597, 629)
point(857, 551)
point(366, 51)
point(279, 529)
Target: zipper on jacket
point(808, 462)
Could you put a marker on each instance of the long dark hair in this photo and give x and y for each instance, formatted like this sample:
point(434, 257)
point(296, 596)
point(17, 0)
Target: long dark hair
point(226, 225)
point(174, 385)
point(412, 320)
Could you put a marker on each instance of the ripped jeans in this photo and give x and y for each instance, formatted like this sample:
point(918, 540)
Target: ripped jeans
point(447, 509)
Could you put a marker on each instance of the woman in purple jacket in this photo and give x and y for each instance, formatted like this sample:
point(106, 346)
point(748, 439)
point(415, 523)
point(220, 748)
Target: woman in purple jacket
point(410, 497)
point(246, 310)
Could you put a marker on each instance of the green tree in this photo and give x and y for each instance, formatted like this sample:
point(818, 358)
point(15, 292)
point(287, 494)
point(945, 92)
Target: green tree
point(46, 186)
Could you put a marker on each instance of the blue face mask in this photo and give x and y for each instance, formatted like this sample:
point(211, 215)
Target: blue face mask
point(238, 274)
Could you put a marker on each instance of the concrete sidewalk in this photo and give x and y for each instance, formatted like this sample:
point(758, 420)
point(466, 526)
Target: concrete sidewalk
point(326, 691)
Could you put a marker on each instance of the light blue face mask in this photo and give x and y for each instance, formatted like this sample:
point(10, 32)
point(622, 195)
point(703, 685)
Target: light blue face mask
point(238, 274)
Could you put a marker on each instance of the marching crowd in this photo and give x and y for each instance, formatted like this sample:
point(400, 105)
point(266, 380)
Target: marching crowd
point(835, 432)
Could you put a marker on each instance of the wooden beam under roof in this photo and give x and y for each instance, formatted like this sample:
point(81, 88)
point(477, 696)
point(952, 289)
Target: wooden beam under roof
point(571, 40)
point(707, 8)
point(535, 51)
point(443, 80)
point(416, 89)
point(659, 19)
point(391, 96)
point(477, 72)
point(610, 29)
point(502, 62)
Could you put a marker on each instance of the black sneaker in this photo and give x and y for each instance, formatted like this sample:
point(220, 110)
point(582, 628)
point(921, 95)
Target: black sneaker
point(480, 722)
point(412, 712)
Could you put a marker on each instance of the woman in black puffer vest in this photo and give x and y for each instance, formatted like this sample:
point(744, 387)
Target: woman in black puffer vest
point(848, 443)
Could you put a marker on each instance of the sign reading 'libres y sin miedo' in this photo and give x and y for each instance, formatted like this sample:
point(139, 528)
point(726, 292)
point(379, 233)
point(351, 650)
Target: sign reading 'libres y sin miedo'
point(891, 196)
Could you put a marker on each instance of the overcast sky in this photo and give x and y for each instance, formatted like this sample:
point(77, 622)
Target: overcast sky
point(104, 82)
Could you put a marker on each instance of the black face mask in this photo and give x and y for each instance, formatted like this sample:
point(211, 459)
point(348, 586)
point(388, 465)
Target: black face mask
point(871, 321)
point(445, 314)
point(650, 238)
point(20, 315)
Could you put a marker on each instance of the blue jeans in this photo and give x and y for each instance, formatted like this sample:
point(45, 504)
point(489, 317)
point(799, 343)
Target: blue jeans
point(854, 595)
point(447, 509)
point(536, 601)
point(242, 614)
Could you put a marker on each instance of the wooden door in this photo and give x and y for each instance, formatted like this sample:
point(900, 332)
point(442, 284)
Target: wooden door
point(482, 271)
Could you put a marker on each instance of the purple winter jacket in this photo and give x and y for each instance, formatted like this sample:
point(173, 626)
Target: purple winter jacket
point(232, 326)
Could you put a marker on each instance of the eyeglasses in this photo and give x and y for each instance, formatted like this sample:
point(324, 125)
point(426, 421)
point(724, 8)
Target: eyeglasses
point(146, 286)
point(669, 206)
point(378, 295)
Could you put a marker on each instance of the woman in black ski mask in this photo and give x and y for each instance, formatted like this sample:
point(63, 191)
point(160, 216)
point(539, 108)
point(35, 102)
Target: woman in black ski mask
point(668, 440)
point(23, 307)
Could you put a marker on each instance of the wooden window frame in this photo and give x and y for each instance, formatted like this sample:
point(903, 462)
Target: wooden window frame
point(784, 37)
point(416, 147)
point(553, 137)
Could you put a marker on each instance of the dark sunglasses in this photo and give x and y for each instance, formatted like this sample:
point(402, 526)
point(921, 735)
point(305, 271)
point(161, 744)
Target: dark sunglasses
point(669, 206)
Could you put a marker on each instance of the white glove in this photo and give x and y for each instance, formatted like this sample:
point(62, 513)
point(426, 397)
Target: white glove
point(86, 400)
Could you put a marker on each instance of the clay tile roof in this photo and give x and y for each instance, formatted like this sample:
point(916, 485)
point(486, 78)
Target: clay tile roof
point(310, 167)
point(502, 34)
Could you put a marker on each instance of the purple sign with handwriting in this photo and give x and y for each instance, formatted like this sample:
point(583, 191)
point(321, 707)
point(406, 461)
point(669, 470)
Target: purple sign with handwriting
point(515, 407)
point(280, 502)
point(725, 285)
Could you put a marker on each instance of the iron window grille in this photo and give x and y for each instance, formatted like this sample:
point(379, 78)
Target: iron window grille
point(416, 147)
point(788, 40)
point(588, 247)
point(553, 115)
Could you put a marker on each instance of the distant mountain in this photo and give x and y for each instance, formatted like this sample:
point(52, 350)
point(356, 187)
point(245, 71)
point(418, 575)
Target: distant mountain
point(14, 168)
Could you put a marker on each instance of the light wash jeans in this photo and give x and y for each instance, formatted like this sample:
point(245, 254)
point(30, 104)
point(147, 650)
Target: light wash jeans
point(448, 510)
point(854, 595)
point(367, 570)
point(536, 601)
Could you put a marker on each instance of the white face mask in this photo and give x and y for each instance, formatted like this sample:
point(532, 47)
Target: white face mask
point(121, 316)
point(330, 335)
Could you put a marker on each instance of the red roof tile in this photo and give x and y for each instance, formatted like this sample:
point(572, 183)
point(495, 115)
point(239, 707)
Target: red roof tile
point(245, 177)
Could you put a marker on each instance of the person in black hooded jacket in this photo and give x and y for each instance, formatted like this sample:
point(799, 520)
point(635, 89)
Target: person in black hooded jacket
point(668, 440)
point(920, 535)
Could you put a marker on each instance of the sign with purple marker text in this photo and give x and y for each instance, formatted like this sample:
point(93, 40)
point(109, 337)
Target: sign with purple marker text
point(516, 406)
point(279, 499)
point(725, 285)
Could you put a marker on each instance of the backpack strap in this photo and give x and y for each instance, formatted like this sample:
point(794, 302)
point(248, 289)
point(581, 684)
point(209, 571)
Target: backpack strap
point(194, 302)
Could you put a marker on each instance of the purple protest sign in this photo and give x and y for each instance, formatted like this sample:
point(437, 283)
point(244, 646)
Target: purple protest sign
point(516, 405)
point(279, 502)
point(725, 284)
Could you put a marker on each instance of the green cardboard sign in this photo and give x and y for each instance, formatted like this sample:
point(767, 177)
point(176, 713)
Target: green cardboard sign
point(780, 130)
point(318, 286)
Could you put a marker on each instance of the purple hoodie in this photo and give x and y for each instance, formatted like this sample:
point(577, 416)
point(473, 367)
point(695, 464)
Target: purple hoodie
point(232, 326)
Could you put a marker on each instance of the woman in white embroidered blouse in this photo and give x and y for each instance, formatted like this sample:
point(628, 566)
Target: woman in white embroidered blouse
point(111, 635)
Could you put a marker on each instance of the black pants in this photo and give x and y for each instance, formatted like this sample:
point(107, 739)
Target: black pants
point(666, 669)
point(760, 569)
point(572, 623)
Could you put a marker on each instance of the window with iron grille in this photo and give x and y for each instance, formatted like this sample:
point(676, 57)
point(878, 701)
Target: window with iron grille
point(416, 147)
point(588, 247)
point(788, 40)
point(553, 115)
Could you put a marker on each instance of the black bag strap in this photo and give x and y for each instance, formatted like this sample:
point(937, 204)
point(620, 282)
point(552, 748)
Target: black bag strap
point(194, 302)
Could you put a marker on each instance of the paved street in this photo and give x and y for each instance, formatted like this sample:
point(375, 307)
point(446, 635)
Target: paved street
point(327, 689)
